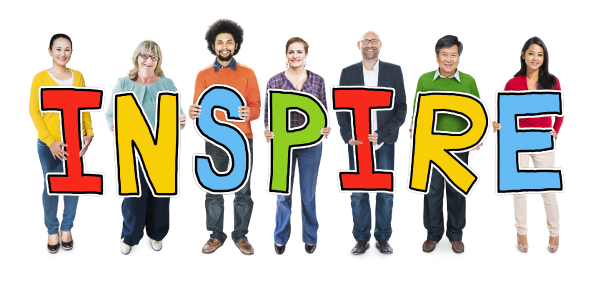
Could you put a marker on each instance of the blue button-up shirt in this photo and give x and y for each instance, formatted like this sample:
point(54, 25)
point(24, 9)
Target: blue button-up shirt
point(217, 65)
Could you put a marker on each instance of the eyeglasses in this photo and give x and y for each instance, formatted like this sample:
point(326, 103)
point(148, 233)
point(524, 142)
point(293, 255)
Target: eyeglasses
point(146, 56)
point(367, 41)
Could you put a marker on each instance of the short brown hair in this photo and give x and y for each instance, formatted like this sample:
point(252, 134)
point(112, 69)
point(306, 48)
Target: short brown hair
point(294, 40)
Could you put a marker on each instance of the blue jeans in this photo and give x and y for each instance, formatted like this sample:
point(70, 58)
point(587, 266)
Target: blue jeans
point(360, 202)
point(308, 162)
point(242, 204)
point(50, 203)
point(145, 212)
point(456, 206)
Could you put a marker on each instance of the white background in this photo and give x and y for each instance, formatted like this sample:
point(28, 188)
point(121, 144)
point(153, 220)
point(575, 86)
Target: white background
point(105, 35)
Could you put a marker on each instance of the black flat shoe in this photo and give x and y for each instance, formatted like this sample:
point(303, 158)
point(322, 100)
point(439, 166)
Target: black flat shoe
point(53, 248)
point(310, 248)
point(67, 246)
point(279, 249)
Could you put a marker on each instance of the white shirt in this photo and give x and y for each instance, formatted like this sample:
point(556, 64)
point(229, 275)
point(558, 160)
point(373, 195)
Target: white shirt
point(67, 82)
point(371, 79)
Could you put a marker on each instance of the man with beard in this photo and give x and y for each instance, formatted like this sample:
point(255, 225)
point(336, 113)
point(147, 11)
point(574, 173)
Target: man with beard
point(224, 39)
point(385, 125)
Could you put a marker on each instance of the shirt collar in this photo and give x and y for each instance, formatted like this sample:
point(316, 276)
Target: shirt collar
point(456, 76)
point(217, 65)
point(375, 66)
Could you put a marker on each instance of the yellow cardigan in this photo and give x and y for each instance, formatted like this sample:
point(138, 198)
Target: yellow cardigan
point(48, 124)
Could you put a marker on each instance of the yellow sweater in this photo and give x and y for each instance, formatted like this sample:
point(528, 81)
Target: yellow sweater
point(48, 124)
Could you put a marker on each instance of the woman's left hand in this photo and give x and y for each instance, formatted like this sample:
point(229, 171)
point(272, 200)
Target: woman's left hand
point(182, 119)
point(554, 133)
point(325, 131)
point(86, 142)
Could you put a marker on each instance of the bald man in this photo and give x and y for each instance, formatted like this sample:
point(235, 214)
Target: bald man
point(385, 126)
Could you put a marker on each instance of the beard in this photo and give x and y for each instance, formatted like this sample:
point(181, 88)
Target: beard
point(225, 59)
point(368, 56)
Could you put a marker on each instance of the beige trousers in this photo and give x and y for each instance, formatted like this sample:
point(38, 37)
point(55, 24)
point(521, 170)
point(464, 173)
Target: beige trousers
point(549, 199)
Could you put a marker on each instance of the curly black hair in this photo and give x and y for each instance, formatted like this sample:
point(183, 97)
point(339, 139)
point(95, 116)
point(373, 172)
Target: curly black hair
point(224, 26)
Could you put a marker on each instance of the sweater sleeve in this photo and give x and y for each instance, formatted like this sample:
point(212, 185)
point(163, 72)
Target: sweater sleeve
point(109, 113)
point(199, 87)
point(253, 96)
point(35, 112)
point(87, 126)
point(418, 89)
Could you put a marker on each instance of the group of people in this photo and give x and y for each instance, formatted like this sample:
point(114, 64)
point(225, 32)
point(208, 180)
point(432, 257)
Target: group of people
point(224, 39)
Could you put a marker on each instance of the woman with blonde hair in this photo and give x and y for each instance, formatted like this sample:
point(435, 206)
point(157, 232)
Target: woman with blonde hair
point(146, 79)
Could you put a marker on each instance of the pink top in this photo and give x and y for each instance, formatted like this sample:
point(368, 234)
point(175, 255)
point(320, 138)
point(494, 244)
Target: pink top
point(519, 83)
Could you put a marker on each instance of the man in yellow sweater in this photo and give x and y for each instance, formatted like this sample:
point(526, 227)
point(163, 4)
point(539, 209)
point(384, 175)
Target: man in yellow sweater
point(224, 38)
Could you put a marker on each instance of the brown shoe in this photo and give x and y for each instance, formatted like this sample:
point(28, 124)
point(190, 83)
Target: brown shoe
point(458, 247)
point(211, 246)
point(245, 246)
point(429, 246)
point(384, 247)
point(360, 247)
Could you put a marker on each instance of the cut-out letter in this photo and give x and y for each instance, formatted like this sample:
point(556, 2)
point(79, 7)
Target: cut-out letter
point(435, 149)
point(513, 140)
point(361, 103)
point(70, 102)
point(281, 104)
point(156, 149)
point(224, 135)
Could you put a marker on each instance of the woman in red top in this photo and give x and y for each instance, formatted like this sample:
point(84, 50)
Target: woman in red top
point(534, 74)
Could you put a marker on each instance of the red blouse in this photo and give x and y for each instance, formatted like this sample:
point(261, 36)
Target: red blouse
point(519, 83)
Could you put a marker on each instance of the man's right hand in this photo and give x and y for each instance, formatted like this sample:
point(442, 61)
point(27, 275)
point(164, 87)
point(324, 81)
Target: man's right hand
point(194, 111)
point(354, 142)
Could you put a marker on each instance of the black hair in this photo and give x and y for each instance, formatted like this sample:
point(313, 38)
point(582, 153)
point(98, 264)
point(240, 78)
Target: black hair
point(59, 35)
point(448, 41)
point(546, 80)
point(224, 26)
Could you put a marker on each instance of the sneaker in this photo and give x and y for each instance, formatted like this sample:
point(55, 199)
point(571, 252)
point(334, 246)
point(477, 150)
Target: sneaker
point(245, 246)
point(124, 248)
point(156, 245)
point(211, 246)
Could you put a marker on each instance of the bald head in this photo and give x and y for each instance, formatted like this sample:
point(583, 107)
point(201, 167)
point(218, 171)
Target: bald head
point(368, 47)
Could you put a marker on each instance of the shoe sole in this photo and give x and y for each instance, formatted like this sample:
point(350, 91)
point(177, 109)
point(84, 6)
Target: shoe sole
point(429, 250)
point(211, 251)
point(367, 247)
point(248, 254)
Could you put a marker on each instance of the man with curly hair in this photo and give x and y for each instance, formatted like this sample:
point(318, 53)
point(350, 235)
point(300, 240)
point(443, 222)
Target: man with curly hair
point(224, 39)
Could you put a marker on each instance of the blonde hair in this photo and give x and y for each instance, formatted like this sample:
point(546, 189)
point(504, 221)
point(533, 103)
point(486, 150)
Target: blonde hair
point(146, 47)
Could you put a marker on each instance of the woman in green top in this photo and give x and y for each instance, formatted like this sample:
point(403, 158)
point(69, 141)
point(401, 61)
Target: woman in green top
point(145, 80)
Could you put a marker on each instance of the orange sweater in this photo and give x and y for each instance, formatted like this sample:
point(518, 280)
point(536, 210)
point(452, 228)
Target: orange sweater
point(242, 79)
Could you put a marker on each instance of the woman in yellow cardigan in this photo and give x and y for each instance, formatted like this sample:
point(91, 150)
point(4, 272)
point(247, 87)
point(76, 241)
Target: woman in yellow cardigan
point(49, 145)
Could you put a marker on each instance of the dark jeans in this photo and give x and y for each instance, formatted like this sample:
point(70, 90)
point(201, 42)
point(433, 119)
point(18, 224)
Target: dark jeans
point(360, 202)
point(146, 211)
point(242, 204)
point(456, 205)
point(50, 203)
point(308, 161)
